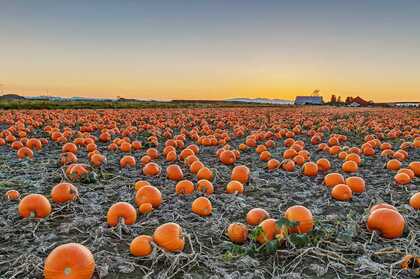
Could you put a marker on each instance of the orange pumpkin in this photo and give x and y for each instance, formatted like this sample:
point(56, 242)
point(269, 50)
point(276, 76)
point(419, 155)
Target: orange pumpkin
point(301, 215)
point(70, 261)
point(141, 246)
point(234, 187)
point(402, 178)
point(237, 233)
point(169, 237)
point(256, 215)
point(34, 205)
point(310, 169)
point(174, 172)
point(415, 201)
point(241, 174)
point(268, 229)
point(341, 192)
point(151, 169)
point(145, 208)
point(350, 166)
point(148, 194)
point(128, 162)
point(205, 186)
point(332, 179)
point(202, 206)
point(205, 173)
point(184, 187)
point(357, 184)
point(12, 195)
point(64, 192)
point(140, 183)
point(390, 223)
point(121, 211)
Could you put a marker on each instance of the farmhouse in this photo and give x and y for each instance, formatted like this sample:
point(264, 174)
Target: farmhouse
point(308, 100)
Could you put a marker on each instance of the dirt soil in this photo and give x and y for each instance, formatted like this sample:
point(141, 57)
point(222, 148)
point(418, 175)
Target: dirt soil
point(346, 249)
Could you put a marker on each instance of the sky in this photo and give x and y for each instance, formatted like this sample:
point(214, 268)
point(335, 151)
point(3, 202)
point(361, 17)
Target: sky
point(211, 49)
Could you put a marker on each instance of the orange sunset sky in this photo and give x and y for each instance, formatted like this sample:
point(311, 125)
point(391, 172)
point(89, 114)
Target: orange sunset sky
point(211, 49)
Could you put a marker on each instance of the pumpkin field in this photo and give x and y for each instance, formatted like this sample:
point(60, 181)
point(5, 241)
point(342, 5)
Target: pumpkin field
point(245, 192)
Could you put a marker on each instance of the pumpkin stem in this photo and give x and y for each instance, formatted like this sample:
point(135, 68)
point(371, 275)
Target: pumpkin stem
point(67, 271)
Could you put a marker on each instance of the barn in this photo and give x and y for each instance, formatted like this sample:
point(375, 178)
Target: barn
point(308, 100)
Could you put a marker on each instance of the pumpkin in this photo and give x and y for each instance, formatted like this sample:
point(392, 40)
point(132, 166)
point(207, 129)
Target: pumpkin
point(349, 166)
point(69, 147)
point(139, 184)
point(67, 158)
point(356, 184)
point(125, 147)
point(148, 194)
point(12, 195)
point(121, 210)
point(141, 246)
point(227, 157)
point(241, 174)
point(410, 173)
point(288, 165)
point(234, 187)
point(268, 230)
point(237, 233)
point(145, 159)
point(415, 167)
point(415, 201)
point(273, 164)
point(196, 166)
point(303, 216)
point(151, 169)
point(341, 192)
point(382, 205)
point(64, 192)
point(174, 172)
point(393, 164)
point(169, 237)
point(145, 208)
point(128, 162)
point(70, 261)
point(153, 153)
point(185, 187)
point(34, 144)
point(98, 159)
point(171, 156)
point(265, 156)
point(323, 164)
point(34, 205)
point(354, 157)
point(202, 206)
point(332, 179)
point(390, 223)
point(24, 152)
point(205, 173)
point(289, 153)
point(256, 215)
point(205, 186)
point(402, 178)
point(310, 169)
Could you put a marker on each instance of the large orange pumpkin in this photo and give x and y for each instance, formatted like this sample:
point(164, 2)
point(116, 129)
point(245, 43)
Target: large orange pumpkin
point(303, 216)
point(69, 261)
point(149, 194)
point(34, 204)
point(169, 237)
point(390, 223)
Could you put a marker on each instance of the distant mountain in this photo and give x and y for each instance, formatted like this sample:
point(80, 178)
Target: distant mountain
point(261, 101)
point(11, 97)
